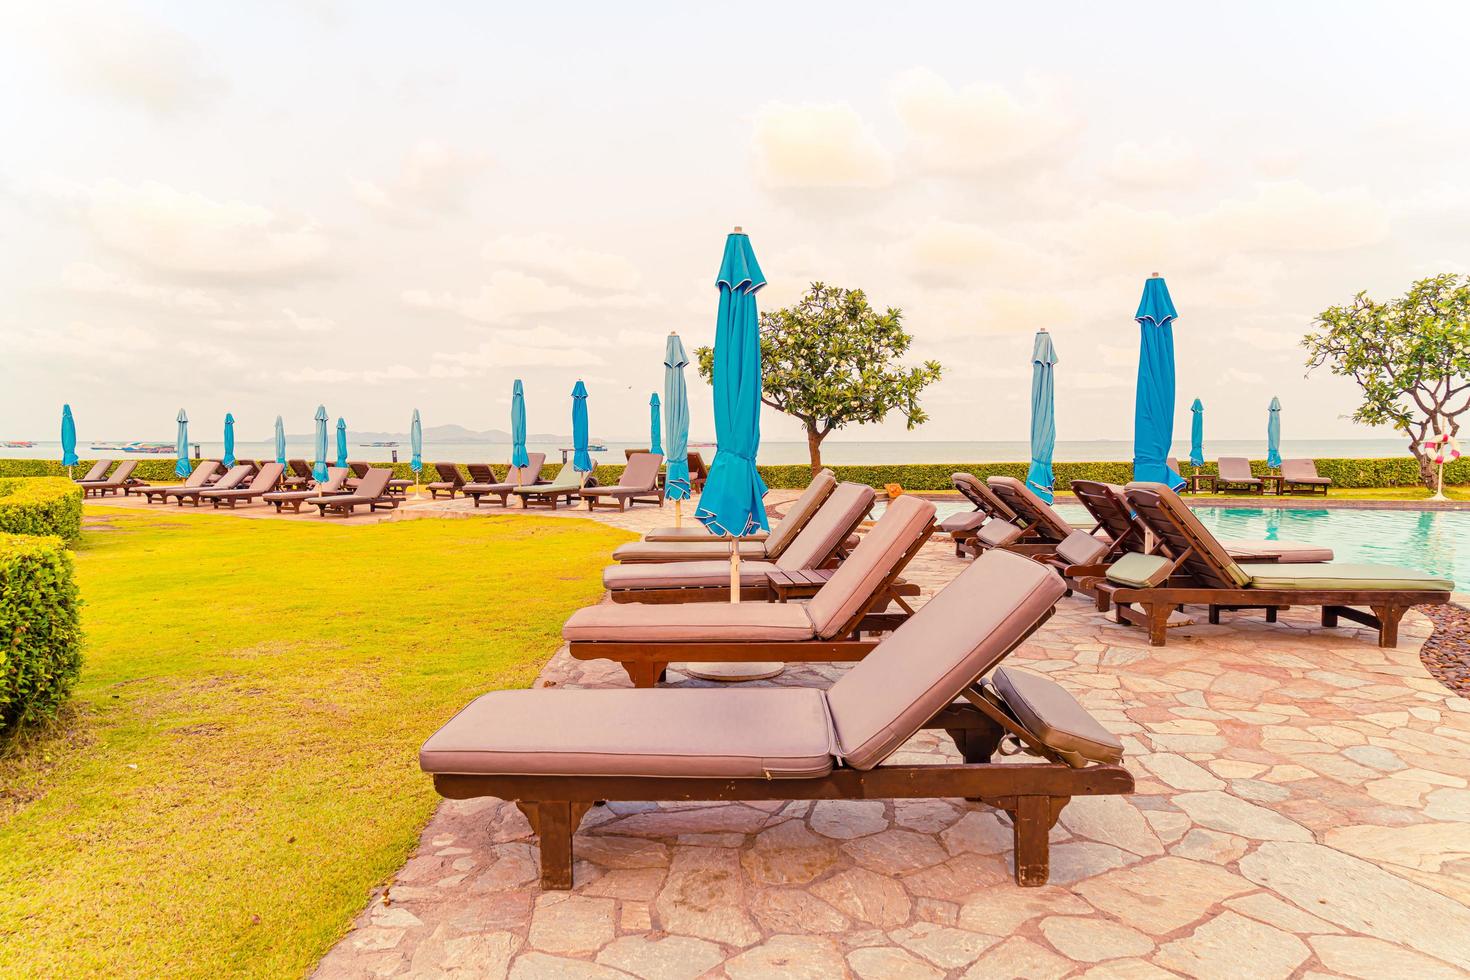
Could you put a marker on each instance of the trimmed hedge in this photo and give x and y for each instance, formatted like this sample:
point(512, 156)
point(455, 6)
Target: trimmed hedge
point(1397, 471)
point(40, 505)
point(40, 639)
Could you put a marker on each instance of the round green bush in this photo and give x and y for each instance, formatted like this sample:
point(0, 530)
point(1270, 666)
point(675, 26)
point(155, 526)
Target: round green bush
point(40, 638)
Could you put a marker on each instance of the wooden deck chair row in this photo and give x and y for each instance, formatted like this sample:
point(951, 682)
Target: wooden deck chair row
point(96, 473)
point(646, 640)
point(500, 490)
point(563, 488)
point(1194, 568)
point(196, 482)
point(817, 545)
point(266, 479)
point(638, 483)
point(557, 752)
point(372, 493)
point(120, 479)
point(701, 545)
point(966, 525)
point(294, 498)
point(1037, 528)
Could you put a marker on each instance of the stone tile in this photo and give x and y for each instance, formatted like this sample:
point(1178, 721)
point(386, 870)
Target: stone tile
point(1425, 846)
point(846, 819)
point(1111, 820)
point(1163, 895)
point(1089, 940)
point(1370, 959)
point(925, 816)
point(794, 910)
point(540, 966)
point(866, 897)
point(978, 832)
point(1017, 958)
point(1273, 911)
point(1129, 969)
point(704, 897)
point(1179, 773)
point(1221, 811)
point(1002, 912)
point(889, 962)
point(637, 884)
point(571, 924)
point(959, 877)
point(788, 854)
point(1230, 946)
point(895, 851)
point(1210, 845)
point(944, 946)
point(789, 957)
point(669, 958)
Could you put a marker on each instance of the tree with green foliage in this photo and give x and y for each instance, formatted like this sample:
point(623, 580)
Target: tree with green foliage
point(1411, 357)
point(832, 360)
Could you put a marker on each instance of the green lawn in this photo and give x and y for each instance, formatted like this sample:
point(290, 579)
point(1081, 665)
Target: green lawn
point(240, 767)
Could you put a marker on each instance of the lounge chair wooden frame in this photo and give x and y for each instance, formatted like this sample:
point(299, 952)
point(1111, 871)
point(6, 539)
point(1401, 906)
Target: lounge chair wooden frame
point(1224, 484)
point(549, 494)
point(1292, 486)
point(1124, 535)
point(1033, 794)
point(212, 470)
point(120, 478)
point(242, 495)
point(449, 482)
point(346, 504)
point(1196, 578)
point(647, 662)
point(973, 489)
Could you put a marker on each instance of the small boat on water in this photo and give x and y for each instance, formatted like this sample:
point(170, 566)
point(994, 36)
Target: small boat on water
point(18, 444)
point(597, 447)
point(380, 445)
point(152, 448)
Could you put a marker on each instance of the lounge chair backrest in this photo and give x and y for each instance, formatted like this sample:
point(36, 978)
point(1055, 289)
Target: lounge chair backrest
point(375, 483)
point(1298, 469)
point(202, 473)
point(528, 474)
point(123, 473)
point(1104, 501)
point(850, 589)
point(268, 476)
point(954, 639)
point(697, 469)
point(301, 468)
point(233, 477)
point(641, 473)
point(981, 496)
point(1235, 468)
point(1178, 530)
point(1037, 513)
point(358, 467)
point(449, 473)
point(825, 532)
point(801, 512)
point(336, 477)
point(98, 470)
point(480, 472)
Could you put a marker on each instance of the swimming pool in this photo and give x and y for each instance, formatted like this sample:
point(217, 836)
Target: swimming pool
point(1433, 541)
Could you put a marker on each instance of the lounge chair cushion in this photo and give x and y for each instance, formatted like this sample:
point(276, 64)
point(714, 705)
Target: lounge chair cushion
point(828, 528)
point(1081, 548)
point(1236, 469)
point(1139, 571)
point(1035, 511)
point(771, 733)
point(558, 485)
point(980, 494)
point(729, 621)
point(877, 554)
point(1290, 552)
point(998, 533)
point(710, 549)
point(963, 523)
point(1335, 575)
point(1056, 719)
point(693, 534)
point(958, 636)
point(683, 574)
point(800, 513)
point(1215, 552)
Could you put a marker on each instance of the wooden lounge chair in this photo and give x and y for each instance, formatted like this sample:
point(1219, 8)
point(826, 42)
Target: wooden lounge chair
point(963, 527)
point(555, 753)
point(449, 482)
point(203, 474)
point(300, 476)
point(481, 473)
point(644, 640)
point(698, 472)
point(1197, 570)
point(234, 477)
point(1042, 528)
point(356, 470)
point(118, 479)
point(696, 534)
point(1235, 475)
point(266, 479)
point(565, 487)
point(332, 485)
point(372, 493)
point(96, 473)
point(1301, 474)
point(637, 484)
point(514, 477)
point(816, 546)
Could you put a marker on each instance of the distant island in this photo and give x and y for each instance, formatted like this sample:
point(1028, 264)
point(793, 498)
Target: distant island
point(455, 434)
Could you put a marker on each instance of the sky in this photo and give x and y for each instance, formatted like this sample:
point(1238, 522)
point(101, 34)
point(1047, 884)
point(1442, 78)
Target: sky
point(257, 208)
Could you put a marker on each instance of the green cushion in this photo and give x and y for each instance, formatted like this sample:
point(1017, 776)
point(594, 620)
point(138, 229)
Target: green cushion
point(1341, 575)
point(555, 487)
point(1139, 571)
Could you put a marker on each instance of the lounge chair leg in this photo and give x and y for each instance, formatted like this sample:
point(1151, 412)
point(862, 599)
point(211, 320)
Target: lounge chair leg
point(1214, 615)
point(1270, 614)
point(1031, 822)
point(645, 673)
point(1388, 628)
point(555, 823)
point(1158, 623)
point(1329, 617)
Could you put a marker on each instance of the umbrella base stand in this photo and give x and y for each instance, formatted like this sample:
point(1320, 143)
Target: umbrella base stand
point(733, 673)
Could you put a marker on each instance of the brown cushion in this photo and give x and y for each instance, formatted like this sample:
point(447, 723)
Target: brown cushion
point(710, 549)
point(852, 586)
point(800, 513)
point(998, 533)
point(1236, 469)
point(641, 473)
point(683, 574)
point(694, 533)
point(952, 640)
point(1081, 548)
point(757, 733)
point(1056, 719)
point(965, 522)
point(690, 621)
point(829, 527)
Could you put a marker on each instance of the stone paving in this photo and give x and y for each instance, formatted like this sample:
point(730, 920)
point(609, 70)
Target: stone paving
point(1302, 810)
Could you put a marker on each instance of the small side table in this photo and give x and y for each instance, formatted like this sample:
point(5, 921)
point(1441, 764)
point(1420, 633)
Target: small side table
point(1274, 483)
point(1199, 481)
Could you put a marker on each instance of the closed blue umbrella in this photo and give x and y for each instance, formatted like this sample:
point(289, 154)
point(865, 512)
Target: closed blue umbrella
point(416, 443)
point(518, 455)
point(280, 441)
point(655, 430)
point(1043, 416)
point(229, 457)
point(182, 468)
point(1273, 434)
point(581, 458)
point(676, 421)
point(1197, 434)
point(319, 465)
point(731, 503)
point(68, 438)
point(1153, 410)
point(342, 443)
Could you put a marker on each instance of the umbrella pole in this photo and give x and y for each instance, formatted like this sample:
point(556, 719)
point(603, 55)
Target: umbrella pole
point(678, 513)
point(734, 569)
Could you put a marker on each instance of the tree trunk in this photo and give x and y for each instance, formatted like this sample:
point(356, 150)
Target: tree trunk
point(1428, 469)
point(814, 447)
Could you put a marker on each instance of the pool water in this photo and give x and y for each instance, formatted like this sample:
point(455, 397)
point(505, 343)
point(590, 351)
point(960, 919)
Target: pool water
point(1437, 542)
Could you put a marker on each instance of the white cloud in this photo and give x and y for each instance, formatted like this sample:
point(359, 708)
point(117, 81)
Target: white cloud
point(434, 179)
point(308, 324)
point(552, 256)
point(818, 146)
point(956, 253)
point(80, 340)
point(1293, 216)
point(88, 279)
point(1155, 166)
point(978, 127)
point(510, 294)
point(508, 353)
point(367, 376)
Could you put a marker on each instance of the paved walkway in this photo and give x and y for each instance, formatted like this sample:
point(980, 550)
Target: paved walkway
point(1302, 810)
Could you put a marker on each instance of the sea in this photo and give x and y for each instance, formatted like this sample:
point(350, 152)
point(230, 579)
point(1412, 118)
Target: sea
point(774, 453)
